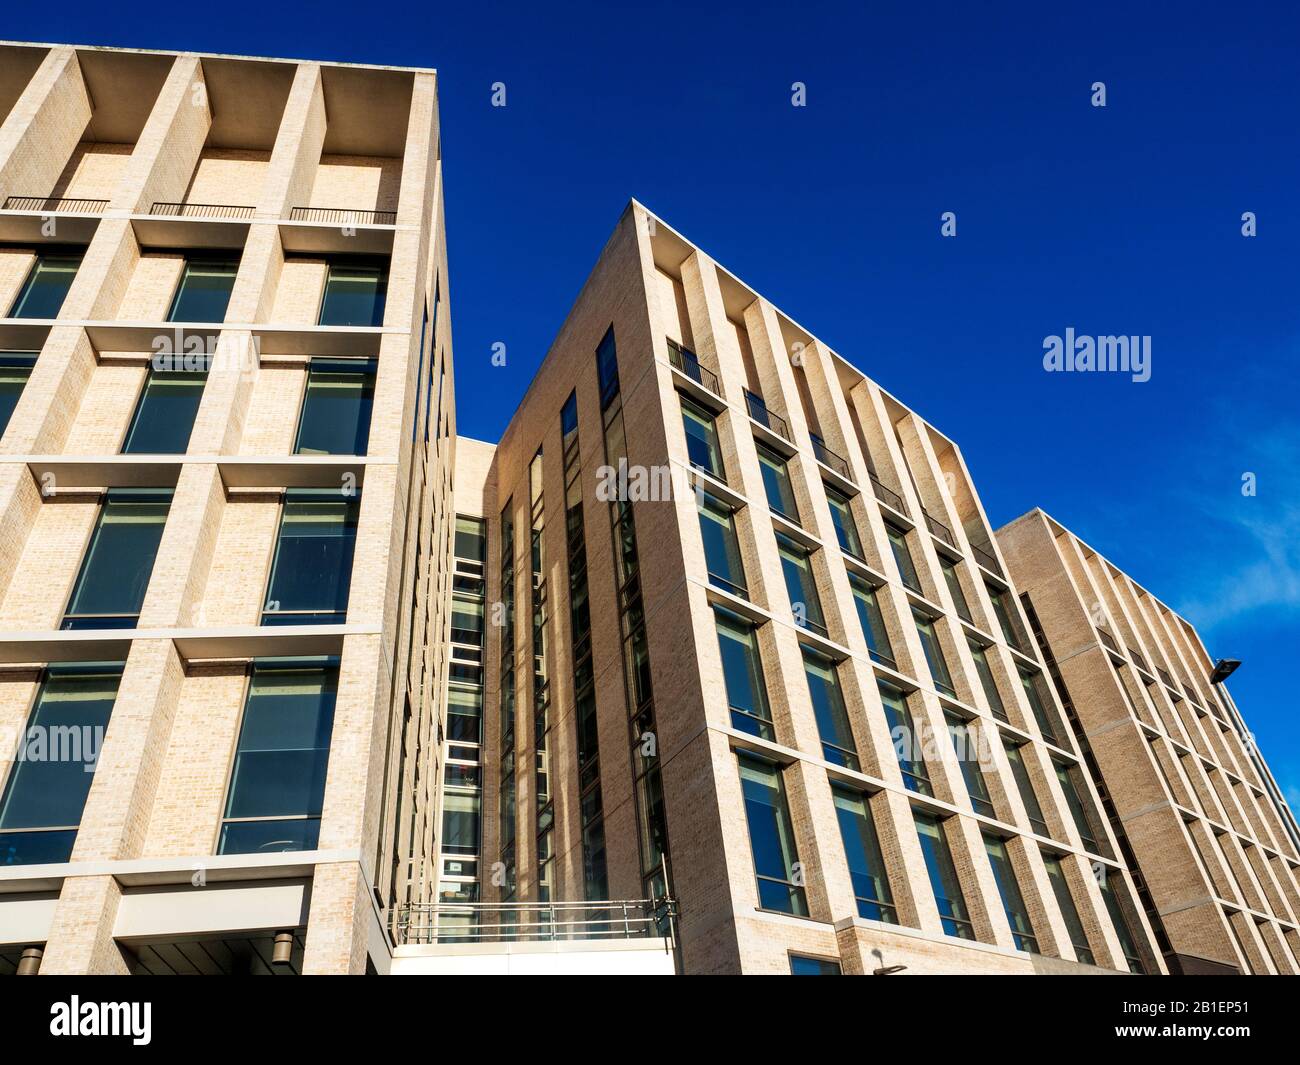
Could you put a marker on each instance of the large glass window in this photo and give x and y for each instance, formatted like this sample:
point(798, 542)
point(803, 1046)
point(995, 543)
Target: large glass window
point(933, 653)
point(771, 837)
point(1116, 909)
point(833, 726)
point(862, 849)
point(846, 531)
point(953, 581)
point(796, 566)
point(776, 483)
point(1013, 903)
point(1007, 618)
point(966, 744)
point(165, 412)
point(1084, 819)
point(15, 368)
point(355, 292)
point(115, 572)
point(336, 407)
point(1069, 912)
point(45, 794)
point(903, 556)
point(742, 669)
point(871, 620)
point(204, 290)
point(464, 711)
point(721, 551)
point(702, 439)
point(986, 680)
point(943, 877)
point(1039, 701)
point(312, 567)
point(46, 286)
point(277, 784)
point(1025, 786)
point(908, 745)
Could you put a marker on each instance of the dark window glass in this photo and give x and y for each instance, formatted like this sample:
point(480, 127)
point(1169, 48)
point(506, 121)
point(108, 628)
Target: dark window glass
point(355, 292)
point(336, 407)
point(742, 670)
point(907, 741)
point(862, 849)
point(986, 680)
point(119, 559)
point(1084, 819)
point(702, 439)
point(771, 837)
point(871, 620)
point(954, 587)
point(464, 712)
point(277, 785)
point(1026, 787)
point(1006, 618)
point(903, 556)
point(968, 748)
point(933, 653)
point(1039, 701)
point(607, 367)
point(943, 877)
point(204, 290)
point(467, 618)
point(1013, 903)
point(797, 570)
point(1070, 913)
point(55, 763)
point(461, 822)
point(846, 531)
point(838, 747)
point(312, 567)
point(776, 483)
point(801, 965)
point(721, 551)
point(1120, 920)
point(15, 368)
point(164, 414)
point(470, 539)
point(46, 287)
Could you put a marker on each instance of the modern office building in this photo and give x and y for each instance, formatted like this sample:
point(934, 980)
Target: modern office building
point(1199, 818)
point(225, 487)
point(712, 664)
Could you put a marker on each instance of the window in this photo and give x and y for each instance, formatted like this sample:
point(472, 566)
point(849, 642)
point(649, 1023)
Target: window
point(46, 286)
point(165, 412)
point(1068, 776)
point(461, 821)
point(1026, 787)
point(903, 556)
point(833, 726)
point(607, 368)
point(336, 405)
point(277, 784)
point(954, 587)
point(862, 849)
point(797, 569)
point(1013, 903)
point(204, 290)
point(721, 551)
point(355, 291)
point(119, 559)
point(933, 653)
point(1032, 681)
point(771, 837)
point(803, 965)
point(742, 669)
point(986, 680)
point(846, 532)
point(907, 741)
point(702, 439)
point(464, 711)
point(15, 368)
point(470, 541)
point(312, 567)
point(871, 620)
point(966, 743)
point(943, 876)
point(1119, 919)
point(1069, 912)
point(1005, 615)
point(776, 483)
point(467, 618)
point(43, 799)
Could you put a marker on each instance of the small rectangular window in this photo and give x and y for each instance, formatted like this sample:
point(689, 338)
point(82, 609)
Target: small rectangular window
point(803, 965)
point(903, 557)
point(796, 567)
point(1013, 903)
point(771, 837)
point(1119, 918)
point(969, 751)
point(1085, 819)
point(204, 290)
point(933, 653)
point(980, 655)
point(908, 744)
point(702, 449)
point(846, 530)
point(1025, 786)
point(832, 717)
point(721, 550)
point(164, 413)
point(312, 567)
point(953, 580)
point(943, 876)
point(776, 483)
point(277, 783)
point(862, 849)
point(872, 621)
point(1007, 619)
point(46, 286)
point(1039, 702)
point(355, 293)
point(607, 368)
point(742, 671)
point(1069, 912)
point(336, 407)
point(119, 560)
point(15, 368)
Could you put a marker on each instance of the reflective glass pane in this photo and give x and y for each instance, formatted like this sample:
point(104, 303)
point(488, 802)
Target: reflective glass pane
point(164, 414)
point(15, 368)
point(46, 286)
point(354, 294)
point(204, 290)
point(313, 561)
point(119, 560)
point(336, 407)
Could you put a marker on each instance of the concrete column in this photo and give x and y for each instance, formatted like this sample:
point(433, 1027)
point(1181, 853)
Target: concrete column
point(44, 127)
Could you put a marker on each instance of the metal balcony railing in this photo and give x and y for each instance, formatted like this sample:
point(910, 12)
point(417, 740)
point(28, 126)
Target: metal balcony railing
point(535, 922)
point(343, 216)
point(828, 458)
point(766, 418)
point(986, 558)
point(51, 204)
point(887, 495)
point(202, 210)
point(938, 528)
point(689, 363)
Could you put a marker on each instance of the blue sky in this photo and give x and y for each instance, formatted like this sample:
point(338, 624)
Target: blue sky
point(1117, 220)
